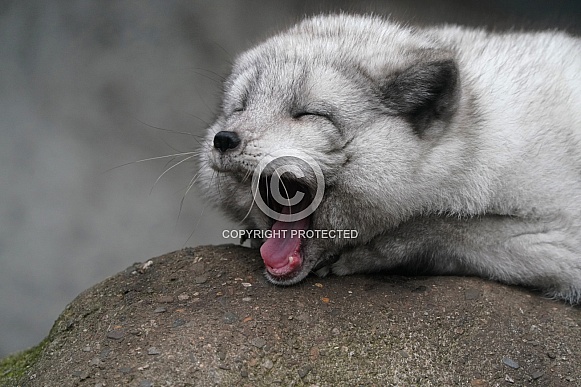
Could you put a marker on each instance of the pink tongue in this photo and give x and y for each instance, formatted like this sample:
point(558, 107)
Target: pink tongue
point(283, 243)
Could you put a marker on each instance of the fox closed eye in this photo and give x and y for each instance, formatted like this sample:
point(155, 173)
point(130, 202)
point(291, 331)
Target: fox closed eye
point(311, 115)
point(238, 109)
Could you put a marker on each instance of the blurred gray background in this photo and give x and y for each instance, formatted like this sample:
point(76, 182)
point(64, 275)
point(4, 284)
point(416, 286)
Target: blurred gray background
point(83, 84)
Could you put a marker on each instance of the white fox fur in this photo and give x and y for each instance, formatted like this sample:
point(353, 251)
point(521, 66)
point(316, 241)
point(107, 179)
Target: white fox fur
point(450, 150)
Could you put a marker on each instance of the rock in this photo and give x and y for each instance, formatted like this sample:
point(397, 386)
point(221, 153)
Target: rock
point(258, 342)
point(82, 375)
point(471, 294)
point(314, 354)
point(267, 364)
point(404, 354)
point(478, 383)
point(221, 354)
point(511, 363)
point(116, 334)
point(378, 330)
point(230, 318)
point(165, 299)
point(304, 370)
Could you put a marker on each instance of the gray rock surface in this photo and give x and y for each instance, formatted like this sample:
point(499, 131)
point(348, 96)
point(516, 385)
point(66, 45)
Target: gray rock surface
point(206, 316)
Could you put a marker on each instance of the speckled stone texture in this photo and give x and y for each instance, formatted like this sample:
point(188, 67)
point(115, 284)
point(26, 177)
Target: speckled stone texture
point(206, 316)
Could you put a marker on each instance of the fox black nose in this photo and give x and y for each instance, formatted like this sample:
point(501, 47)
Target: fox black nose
point(225, 140)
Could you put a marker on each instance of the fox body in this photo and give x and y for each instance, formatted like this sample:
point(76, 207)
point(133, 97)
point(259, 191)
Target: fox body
point(449, 150)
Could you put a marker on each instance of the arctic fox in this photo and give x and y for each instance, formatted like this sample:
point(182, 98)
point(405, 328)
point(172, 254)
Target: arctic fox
point(442, 150)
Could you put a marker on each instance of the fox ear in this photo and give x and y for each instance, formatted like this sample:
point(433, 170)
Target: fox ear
point(423, 93)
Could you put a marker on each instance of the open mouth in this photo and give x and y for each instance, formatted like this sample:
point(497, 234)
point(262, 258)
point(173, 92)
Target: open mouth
point(282, 252)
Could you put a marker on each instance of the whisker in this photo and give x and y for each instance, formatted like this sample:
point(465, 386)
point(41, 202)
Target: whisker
point(197, 70)
point(204, 101)
point(199, 150)
point(171, 146)
point(199, 119)
point(189, 187)
point(214, 174)
point(285, 190)
point(196, 138)
point(193, 153)
point(268, 194)
point(246, 176)
point(251, 204)
point(218, 179)
point(166, 165)
point(169, 169)
point(195, 227)
point(229, 58)
point(163, 129)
